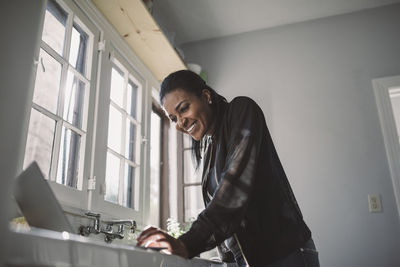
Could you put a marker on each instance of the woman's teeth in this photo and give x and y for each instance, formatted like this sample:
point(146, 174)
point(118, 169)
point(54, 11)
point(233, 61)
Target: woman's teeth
point(191, 128)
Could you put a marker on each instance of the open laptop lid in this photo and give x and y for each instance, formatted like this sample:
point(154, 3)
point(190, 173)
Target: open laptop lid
point(37, 201)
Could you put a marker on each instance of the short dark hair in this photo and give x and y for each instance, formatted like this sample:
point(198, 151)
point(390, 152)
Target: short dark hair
point(190, 82)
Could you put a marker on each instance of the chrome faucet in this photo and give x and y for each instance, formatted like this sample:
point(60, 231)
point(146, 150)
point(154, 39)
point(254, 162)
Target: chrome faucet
point(108, 230)
point(111, 235)
point(95, 229)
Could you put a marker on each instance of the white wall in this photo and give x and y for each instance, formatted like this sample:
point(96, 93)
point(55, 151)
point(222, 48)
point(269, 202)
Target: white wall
point(313, 81)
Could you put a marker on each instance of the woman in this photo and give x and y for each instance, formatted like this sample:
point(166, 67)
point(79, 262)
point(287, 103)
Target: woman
point(251, 212)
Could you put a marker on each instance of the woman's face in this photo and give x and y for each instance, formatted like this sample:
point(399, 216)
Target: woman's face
point(192, 114)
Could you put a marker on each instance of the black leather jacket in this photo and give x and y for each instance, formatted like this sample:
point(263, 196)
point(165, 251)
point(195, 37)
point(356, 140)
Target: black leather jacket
point(246, 192)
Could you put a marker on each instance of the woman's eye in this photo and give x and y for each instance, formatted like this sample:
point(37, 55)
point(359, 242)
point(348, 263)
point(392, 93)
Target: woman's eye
point(185, 108)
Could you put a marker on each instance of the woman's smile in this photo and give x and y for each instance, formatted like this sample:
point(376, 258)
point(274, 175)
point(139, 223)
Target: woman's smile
point(191, 128)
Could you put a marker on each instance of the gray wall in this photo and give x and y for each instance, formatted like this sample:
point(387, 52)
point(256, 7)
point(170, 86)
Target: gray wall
point(313, 81)
point(20, 22)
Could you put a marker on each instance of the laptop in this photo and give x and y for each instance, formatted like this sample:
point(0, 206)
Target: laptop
point(37, 201)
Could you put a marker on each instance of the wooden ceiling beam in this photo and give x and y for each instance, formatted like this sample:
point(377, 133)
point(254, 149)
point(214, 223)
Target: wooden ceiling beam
point(138, 28)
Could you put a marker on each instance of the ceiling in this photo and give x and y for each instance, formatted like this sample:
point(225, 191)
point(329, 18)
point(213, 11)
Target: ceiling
point(186, 21)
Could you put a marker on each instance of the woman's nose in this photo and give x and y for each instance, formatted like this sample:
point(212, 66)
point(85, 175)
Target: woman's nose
point(181, 122)
point(177, 127)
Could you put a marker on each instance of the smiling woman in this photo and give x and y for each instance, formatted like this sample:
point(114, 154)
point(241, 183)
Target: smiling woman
point(251, 214)
point(192, 101)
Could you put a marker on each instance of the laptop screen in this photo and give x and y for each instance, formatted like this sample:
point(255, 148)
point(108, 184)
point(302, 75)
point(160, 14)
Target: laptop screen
point(37, 201)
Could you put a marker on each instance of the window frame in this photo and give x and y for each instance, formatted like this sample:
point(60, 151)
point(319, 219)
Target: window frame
point(114, 57)
point(382, 88)
point(129, 75)
point(107, 43)
point(186, 147)
point(112, 42)
point(69, 196)
point(166, 181)
point(162, 183)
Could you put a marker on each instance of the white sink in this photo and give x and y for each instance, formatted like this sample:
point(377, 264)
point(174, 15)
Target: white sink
point(38, 247)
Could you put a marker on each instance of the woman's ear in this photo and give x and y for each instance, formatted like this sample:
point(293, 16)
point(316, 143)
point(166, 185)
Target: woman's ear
point(207, 95)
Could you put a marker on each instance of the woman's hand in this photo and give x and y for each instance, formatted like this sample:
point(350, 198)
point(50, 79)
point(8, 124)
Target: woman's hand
point(156, 238)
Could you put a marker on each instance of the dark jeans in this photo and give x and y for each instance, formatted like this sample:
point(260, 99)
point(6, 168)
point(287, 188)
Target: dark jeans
point(306, 256)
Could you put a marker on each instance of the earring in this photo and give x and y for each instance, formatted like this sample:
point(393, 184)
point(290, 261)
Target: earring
point(209, 102)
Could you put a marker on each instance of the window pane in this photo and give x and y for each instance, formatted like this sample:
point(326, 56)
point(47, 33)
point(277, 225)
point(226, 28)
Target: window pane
point(68, 161)
point(39, 145)
point(131, 106)
point(193, 202)
point(78, 50)
point(130, 143)
point(54, 26)
point(112, 178)
point(187, 141)
point(130, 198)
point(155, 168)
point(117, 87)
point(115, 129)
point(189, 172)
point(47, 84)
point(74, 100)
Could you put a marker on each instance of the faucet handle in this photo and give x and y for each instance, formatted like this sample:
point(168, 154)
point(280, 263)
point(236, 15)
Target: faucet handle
point(92, 214)
point(130, 223)
point(133, 227)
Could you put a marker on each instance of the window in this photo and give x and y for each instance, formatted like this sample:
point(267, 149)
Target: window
point(387, 96)
point(90, 118)
point(123, 141)
point(155, 167)
point(193, 201)
point(57, 133)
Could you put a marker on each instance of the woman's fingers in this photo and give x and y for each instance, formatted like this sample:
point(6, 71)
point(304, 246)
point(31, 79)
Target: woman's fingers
point(154, 237)
point(154, 241)
point(158, 243)
point(148, 232)
point(150, 235)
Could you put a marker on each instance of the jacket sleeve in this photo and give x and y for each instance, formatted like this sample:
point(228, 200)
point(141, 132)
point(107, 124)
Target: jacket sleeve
point(243, 130)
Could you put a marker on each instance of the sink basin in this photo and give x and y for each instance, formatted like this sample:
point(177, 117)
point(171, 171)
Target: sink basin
point(39, 247)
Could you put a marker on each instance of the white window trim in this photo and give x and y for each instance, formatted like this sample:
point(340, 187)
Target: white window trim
point(113, 57)
point(186, 147)
point(68, 196)
point(388, 125)
point(129, 75)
